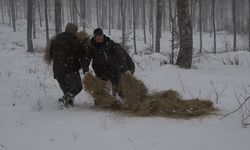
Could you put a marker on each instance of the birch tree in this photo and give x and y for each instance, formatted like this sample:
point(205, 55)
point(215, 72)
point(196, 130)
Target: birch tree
point(184, 59)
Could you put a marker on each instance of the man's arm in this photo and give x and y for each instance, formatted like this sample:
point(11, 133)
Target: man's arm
point(85, 61)
point(123, 56)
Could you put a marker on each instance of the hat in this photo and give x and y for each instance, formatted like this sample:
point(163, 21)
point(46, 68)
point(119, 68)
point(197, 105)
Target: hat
point(71, 28)
point(98, 31)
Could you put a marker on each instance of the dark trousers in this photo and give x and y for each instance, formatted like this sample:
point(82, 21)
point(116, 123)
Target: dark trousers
point(115, 80)
point(71, 84)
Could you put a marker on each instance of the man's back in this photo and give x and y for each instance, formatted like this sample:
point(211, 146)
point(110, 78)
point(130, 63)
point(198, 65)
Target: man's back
point(66, 51)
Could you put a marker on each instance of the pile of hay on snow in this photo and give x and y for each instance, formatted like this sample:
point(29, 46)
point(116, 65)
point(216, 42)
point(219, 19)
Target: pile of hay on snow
point(100, 91)
point(137, 101)
point(134, 92)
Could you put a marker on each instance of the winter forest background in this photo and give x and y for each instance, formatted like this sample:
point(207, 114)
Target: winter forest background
point(200, 48)
point(212, 17)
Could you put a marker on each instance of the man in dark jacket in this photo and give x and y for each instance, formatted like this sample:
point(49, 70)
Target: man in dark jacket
point(67, 54)
point(109, 59)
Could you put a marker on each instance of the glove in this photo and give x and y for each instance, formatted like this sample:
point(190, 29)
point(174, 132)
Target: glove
point(85, 70)
point(128, 73)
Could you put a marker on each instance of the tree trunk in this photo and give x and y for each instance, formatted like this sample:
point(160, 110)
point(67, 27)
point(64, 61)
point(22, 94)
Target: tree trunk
point(46, 20)
point(109, 17)
point(213, 23)
point(62, 13)
point(173, 29)
point(13, 14)
point(123, 23)
point(164, 15)
point(40, 13)
point(134, 30)
point(151, 23)
point(200, 24)
point(184, 59)
point(9, 11)
point(249, 25)
point(83, 14)
point(234, 25)
point(74, 13)
point(97, 13)
point(104, 14)
point(144, 21)
point(58, 19)
point(2, 11)
point(29, 25)
point(34, 19)
point(158, 26)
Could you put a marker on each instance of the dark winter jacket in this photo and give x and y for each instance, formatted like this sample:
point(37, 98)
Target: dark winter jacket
point(108, 58)
point(67, 54)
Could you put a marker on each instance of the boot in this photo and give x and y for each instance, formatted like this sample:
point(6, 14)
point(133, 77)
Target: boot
point(67, 100)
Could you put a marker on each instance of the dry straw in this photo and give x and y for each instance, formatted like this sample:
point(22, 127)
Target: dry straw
point(137, 101)
point(81, 36)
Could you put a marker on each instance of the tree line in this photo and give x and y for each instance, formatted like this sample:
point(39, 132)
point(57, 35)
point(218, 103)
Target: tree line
point(179, 17)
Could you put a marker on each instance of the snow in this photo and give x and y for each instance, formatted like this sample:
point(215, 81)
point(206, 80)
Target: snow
point(30, 117)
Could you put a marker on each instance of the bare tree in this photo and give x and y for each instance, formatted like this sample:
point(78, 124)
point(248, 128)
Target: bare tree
point(74, 12)
point(172, 21)
point(134, 26)
point(249, 25)
point(58, 19)
point(184, 59)
point(123, 8)
point(151, 22)
point(29, 25)
point(158, 26)
point(39, 13)
point(104, 14)
point(144, 20)
point(9, 11)
point(62, 12)
point(2, 10)
point(200, 24)
point(13, 14)
point(46, 19)
point(109, 17)
point(83, 13)
point(234, 24)
point(164, 15)
point(34, 19)
point(213, 22)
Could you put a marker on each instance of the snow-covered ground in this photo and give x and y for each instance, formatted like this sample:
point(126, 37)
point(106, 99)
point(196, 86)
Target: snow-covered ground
point(30, 118)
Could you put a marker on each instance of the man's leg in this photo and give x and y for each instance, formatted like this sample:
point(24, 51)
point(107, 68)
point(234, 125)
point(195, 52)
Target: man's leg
point(71, 85)
point(74, 82)
point(116, 87)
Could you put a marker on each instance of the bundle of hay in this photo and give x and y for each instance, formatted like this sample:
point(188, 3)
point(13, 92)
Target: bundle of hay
point(46, 55)
point(134, 92)
point(165, 103)
point(169, 103)
point(137, 101)
point(83, 37)
point(100, 92)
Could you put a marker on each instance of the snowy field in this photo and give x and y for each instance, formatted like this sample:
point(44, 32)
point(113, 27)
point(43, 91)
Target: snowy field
point(30, 118)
